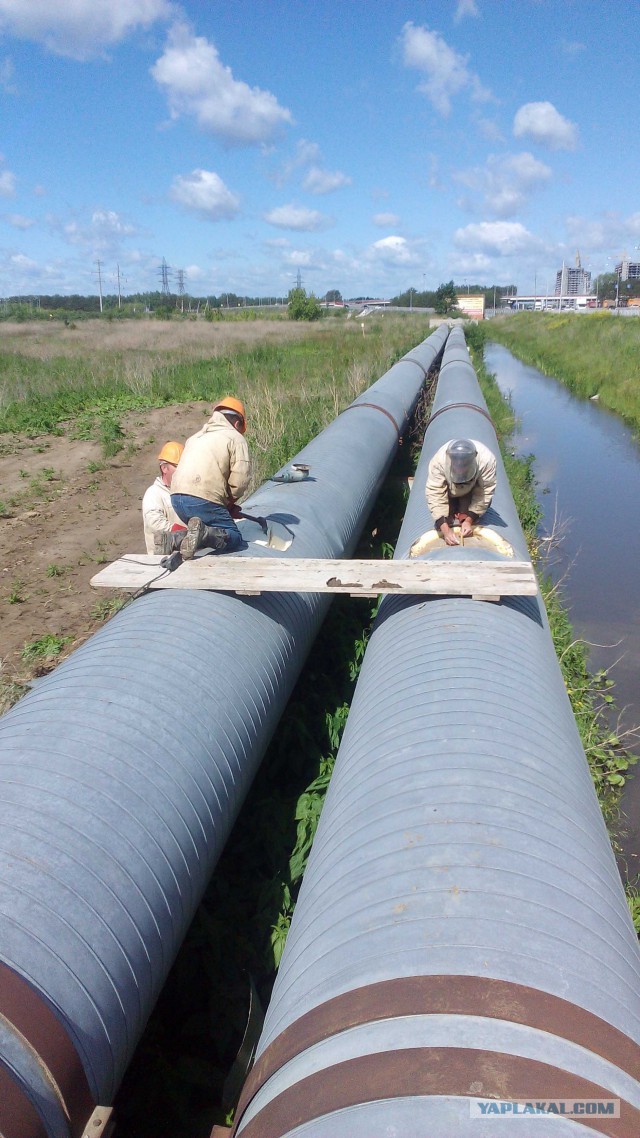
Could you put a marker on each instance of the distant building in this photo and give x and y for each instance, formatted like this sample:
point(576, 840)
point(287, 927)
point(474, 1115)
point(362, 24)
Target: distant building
point(628, 270)
point(573, 282)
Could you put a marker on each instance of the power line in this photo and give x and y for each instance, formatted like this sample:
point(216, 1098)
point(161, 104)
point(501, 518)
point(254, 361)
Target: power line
point(99, 276)
point(180, 274)
point(164, 277)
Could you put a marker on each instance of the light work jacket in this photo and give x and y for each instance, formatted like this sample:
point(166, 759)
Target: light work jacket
point(158, 515)
point(214, 464)
point(441, 488)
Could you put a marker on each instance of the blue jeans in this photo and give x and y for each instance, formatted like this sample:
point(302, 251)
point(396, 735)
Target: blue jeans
point(211, 513)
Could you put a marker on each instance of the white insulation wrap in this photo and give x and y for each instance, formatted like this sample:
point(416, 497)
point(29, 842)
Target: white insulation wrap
point(119, 785)
point(461, 939)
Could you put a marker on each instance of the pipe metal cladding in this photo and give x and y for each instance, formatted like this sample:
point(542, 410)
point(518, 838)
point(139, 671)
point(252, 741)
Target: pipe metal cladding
point(461, 939)
point(121, 775)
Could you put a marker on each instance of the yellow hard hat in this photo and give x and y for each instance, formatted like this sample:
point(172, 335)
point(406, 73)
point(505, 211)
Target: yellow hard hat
point(171, 453)
point(230, 403)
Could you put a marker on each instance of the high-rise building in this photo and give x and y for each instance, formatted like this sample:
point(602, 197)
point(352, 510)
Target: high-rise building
point(628, 270)
point(573, 281)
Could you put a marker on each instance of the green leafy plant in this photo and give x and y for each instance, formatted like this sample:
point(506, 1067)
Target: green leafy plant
point(44, 647)
point(54, 570)
point(102, 610)
point(110, 435)
point(17, 594)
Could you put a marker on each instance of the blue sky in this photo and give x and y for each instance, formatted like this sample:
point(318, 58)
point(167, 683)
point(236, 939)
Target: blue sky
point(371, 146)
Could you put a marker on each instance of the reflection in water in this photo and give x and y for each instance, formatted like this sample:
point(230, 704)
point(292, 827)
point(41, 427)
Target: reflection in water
point(587, 465)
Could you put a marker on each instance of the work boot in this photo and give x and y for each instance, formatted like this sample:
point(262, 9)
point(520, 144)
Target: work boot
point(165, 543)
point(215, 538)
point(201, 536)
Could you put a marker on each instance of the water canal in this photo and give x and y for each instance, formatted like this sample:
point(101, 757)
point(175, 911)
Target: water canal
point(587, 465)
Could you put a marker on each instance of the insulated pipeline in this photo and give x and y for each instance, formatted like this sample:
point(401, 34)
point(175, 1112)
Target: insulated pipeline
point(120, 780)
point(461, 940)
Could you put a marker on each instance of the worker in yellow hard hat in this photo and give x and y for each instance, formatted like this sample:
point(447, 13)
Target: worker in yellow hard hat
point(212, 476)
point(158, 516)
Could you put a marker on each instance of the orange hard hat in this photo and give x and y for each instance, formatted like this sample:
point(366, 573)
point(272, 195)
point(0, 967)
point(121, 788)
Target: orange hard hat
point(171, 453)
point(230, 403)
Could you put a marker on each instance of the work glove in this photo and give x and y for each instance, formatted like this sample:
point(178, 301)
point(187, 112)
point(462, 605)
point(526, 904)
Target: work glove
point(235, 510)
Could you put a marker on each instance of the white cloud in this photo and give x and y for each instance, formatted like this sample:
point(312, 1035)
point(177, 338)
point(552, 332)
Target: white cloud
point(546, 126)
point(79, 28)
point(385, 220)
point(106, 225)
point(465, 8)
point(319, 181)
point(393, 251)
point(7, 184)
point(205, 193)
point(18, 221)
point(297, 217)
point(608, 233)
point(500, 238)
point(303, 258)
point(6, 76)
point(305, 153)
point(488, 128)
point(503, 185)
point(198, 84)
point(447, 72)
point(20, 261)
point(104, 233)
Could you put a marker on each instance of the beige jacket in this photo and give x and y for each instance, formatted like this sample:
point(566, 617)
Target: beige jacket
point(214, 463)
point(440, 487)
point(158, 516)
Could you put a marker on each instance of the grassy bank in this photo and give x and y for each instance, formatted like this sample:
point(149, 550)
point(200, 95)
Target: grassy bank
point(293, 377)
point(591, 694)
point(592, 353)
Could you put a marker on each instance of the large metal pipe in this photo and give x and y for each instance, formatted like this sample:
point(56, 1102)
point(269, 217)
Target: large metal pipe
point(461, 934)
point(121, 775)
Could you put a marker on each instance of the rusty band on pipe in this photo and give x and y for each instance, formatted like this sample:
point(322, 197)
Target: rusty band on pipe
point(376, 407)
point(18, 1116)
point(470, 406)
point(444, 995)
point(426, 1071)
point(31, 1016)
point(409, 360)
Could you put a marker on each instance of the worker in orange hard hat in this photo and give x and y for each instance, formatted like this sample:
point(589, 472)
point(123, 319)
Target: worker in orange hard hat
point(213, 474)
point(158, 516)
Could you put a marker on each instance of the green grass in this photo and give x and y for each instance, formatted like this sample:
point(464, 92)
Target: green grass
point(44, 648)
point(102, 610)
point(591, 694)
point(90, 391)
point(591, 353)
point(16, 594)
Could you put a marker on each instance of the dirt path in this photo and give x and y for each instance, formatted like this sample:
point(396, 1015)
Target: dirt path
point(70, 510)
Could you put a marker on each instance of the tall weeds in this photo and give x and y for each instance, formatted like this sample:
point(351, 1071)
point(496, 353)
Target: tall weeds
point(591, 353)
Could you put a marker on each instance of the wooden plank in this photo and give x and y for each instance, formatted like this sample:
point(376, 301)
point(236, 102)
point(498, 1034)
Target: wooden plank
point(254, 575)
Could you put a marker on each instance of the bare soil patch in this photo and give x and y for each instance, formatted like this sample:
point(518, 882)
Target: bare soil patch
point(83, 510)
